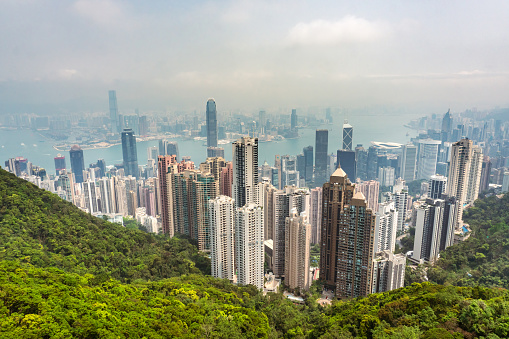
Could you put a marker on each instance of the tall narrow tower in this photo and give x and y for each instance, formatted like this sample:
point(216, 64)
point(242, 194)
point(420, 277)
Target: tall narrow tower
point(130, 153)
point(293, 122)
point(77, 163)
point(222, 231)
point(459, 175)
point(321, 149)
point(347, 136)
point(211, 123)
point(347, 238)
point(245, 170)
point(114, 112)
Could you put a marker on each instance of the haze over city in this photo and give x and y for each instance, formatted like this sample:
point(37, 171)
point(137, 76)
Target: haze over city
point(424, 57)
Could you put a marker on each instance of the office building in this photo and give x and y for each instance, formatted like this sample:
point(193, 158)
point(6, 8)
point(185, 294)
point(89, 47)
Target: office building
point(114, 119)
point(386, 225)
point(388, 271)
point(59, 163)
point(321, 156)
point(298, 238)
point(211, 123)
point(386, 176)
point(308, 163)
point(222, 243)
point(106, 187)
point(316, 214)
point(372, 163)
point(437, 185)
point(245, 170)
point(213, 152)
point(249, 247)
point(346, 160)
point(169, 148)
point(347, 239)
point(77, 163)
point(408, 162)
point(152, 153)
point(427, 158)
point(293, 122)
point(434, 228)
point(347, 138)
point(361, 162)
point(129, 152)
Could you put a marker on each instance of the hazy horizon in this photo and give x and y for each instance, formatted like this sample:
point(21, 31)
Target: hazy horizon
point(417, 57)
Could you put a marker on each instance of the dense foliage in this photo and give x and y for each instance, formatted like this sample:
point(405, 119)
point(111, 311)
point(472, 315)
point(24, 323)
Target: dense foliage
point(483, 258)
point(49, 303)
point(38, 227)
point(66, 274)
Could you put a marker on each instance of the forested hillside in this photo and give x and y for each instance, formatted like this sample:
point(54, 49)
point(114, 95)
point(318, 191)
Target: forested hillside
point(38, 227)
point(483, 259)
point(66, 274)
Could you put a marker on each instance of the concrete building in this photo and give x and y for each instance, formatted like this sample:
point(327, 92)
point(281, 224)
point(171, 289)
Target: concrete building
point(245, 170)
point(222, 230)
point(347, 239)
point(434, 228)
point(437, 186)
point(408, 162)
point(386, 225)
point(249, 245)
point(316, 214)
point(388, 271)
point(298, 237)
point(370, 189)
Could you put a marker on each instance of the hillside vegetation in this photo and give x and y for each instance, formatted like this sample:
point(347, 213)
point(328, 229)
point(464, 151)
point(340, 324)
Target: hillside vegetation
point(65, 274)
point(39, 228)
point(483, 259)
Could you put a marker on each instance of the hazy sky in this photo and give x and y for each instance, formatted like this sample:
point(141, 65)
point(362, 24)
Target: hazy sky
point(65, 55)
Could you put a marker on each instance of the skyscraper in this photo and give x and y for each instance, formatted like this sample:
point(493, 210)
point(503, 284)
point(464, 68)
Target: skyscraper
point(485, 174)
point(427, 158)
point(434, 228)
point(347, 244)
point(347, 137)
point(222, 230)
point(211, 123)
point(459, 175)
point(386, 227)
point(388, 271)
point(474, 175)
point(294, 119)
point(249, 248)
point(130, 153)
point(77, 163)
point(298, 238)
point(59, 163)
point(308, 163)
point(372, 163)
point(361, 162)
point(165, 192)
point(346, 160)
point(245, 170)
point(321, 156)
point(408, 162)
point(370, 190)
point(114, 121)
point(316, 214)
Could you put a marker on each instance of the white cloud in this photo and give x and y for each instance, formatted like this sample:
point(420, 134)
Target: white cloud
point(347, 30)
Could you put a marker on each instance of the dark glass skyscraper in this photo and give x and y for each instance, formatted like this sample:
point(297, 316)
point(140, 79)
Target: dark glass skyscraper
point(114, 112)
point(346, 160)
point(129, 152)
point(77, 163)
point(211, 123)
point(308, 160)
point(321, 159)
point(294, 119)
point(59, 163)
